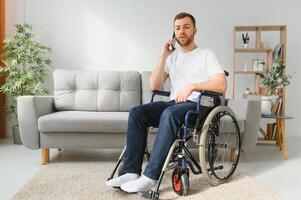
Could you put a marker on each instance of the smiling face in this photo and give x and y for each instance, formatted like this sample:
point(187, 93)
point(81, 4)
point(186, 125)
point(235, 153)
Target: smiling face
point(185, 30)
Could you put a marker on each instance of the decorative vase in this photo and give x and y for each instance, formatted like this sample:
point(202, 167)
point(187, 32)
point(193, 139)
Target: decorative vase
point(266, 105)
point(246, 45)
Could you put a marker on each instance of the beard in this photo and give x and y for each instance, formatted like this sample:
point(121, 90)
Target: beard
point(185, 41)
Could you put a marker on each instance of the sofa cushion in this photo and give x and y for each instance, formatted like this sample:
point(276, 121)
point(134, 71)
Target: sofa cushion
point(79, 121)
point(96, 90)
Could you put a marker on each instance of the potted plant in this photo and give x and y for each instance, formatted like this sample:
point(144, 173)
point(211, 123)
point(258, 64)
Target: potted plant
point(245, 40)
point(274, 80)
point(25, 69)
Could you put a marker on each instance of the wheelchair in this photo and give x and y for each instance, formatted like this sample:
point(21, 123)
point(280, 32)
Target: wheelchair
point(214, 130)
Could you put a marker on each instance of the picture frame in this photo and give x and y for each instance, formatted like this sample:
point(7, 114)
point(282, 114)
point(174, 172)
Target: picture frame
point(258, 64)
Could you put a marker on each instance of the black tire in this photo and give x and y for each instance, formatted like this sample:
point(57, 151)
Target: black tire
point(180, 182)
point(219, 145)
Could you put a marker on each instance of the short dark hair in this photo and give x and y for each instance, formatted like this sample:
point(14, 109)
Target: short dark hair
point(182, 15)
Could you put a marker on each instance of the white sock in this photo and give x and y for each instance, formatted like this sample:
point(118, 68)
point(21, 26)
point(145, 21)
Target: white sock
point(142, 184)
point(117, 182)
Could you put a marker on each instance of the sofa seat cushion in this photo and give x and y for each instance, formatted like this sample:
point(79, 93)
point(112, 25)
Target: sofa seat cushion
point(83, 121)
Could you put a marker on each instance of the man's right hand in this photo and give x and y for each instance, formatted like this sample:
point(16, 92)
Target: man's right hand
point(166, 51)
point(159, 76)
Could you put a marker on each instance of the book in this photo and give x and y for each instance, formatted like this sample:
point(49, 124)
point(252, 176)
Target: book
point(279, 106)
point(275, 106)
point(269, 131)
point(274, 136)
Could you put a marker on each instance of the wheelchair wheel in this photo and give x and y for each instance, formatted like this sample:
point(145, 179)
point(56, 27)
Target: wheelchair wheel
point(220, 145)
point(180, 182)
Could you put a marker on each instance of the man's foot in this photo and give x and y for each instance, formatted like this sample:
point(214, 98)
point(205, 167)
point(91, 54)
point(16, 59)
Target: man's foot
point(117, 182)
point(142, 184)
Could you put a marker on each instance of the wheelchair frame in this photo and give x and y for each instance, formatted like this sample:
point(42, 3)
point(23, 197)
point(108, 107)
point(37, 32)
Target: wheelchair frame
point(184, 157)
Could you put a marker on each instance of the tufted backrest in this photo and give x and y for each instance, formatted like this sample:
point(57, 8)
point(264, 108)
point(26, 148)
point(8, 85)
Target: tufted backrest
point(96, 90)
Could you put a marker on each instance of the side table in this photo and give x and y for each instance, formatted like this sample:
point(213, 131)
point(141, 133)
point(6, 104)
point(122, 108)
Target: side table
point(280, 130)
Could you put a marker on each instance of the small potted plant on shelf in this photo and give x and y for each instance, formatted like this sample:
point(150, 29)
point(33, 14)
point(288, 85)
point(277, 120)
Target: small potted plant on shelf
point(245, 40)
point(274, 80)
point(25, 69)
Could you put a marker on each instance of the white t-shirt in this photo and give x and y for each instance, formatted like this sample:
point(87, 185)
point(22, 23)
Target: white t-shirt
point(194, 66)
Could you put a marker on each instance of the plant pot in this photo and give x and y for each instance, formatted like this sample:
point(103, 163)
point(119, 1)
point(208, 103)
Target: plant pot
point(16, 135)
point(263, 90)
point(266, 105)
point(246, 45)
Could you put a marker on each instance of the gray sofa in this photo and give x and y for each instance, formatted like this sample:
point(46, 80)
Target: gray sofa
point(89, 109)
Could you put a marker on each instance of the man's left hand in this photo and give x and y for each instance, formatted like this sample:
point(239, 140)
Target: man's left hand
point(184, 93)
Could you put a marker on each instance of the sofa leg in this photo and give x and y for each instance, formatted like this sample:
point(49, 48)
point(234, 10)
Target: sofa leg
point(45, 156)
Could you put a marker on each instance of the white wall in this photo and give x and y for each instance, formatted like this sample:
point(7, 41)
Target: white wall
point(128, 34)
point(14, 14)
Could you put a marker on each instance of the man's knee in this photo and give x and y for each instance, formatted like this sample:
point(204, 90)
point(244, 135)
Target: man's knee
point(169, 114)
point(169, 121)
point(137, 110)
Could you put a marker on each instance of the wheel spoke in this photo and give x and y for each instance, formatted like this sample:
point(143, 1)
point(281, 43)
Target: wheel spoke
point(221, 139)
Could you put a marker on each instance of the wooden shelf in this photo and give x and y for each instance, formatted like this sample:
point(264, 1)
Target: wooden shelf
point(256, 94)
point(252, 50)
point(249, 72)
point(264, 142)
point(262, 28)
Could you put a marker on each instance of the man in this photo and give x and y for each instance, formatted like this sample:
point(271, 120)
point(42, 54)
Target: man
point(190, 69)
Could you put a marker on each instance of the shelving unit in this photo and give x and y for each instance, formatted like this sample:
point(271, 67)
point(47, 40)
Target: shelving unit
point(261, 47)
point(256, 48)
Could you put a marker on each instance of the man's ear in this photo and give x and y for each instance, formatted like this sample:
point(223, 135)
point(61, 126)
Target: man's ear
point(195, 30)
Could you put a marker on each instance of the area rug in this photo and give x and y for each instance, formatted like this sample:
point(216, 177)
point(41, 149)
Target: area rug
point(86, 181)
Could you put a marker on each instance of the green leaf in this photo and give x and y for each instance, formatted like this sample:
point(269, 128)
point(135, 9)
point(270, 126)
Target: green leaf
point(26, 64)
point(276, 78)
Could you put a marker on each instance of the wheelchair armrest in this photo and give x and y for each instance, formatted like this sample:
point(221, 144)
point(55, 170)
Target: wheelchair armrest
point(160, 93)
point(215, 95)
point(211, 94)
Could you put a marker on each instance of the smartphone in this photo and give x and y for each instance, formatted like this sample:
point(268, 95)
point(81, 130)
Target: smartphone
point(172, 47)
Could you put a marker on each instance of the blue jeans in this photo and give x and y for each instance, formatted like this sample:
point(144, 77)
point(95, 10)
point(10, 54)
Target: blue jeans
point(168, 117)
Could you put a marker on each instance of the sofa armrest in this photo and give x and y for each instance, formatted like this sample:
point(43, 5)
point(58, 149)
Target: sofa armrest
point(250, 112)
point(30, 108)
